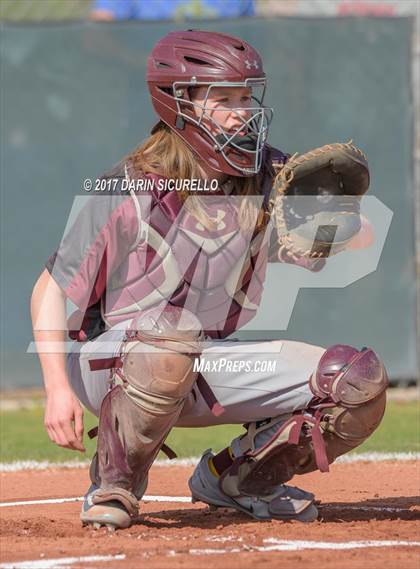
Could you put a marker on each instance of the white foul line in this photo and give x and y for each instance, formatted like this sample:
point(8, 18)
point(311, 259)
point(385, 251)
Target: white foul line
point(62, 562)
point(20, 465)
point(296, 545)
point(290, 545)
point(180, 499)
point(187, 500)
point(275, 545)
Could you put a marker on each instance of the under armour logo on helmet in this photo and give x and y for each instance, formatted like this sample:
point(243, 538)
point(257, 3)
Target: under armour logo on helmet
point(251, 64)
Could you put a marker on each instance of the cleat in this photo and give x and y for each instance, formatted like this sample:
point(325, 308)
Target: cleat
point(110, 528)
point(111, 514)
point(286, 503)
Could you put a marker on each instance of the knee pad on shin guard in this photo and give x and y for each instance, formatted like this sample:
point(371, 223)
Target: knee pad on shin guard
point(155, 376)
point(348, 405)
point(158, 357)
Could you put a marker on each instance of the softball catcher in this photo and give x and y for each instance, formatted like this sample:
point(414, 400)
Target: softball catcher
point(163, 280)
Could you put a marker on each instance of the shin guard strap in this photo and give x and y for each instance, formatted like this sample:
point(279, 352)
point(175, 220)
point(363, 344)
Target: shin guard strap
point(223, 460)
point(314, 426)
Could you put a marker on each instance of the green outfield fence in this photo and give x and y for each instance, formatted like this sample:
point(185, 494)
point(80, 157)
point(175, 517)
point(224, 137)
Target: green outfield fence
point(73, 101)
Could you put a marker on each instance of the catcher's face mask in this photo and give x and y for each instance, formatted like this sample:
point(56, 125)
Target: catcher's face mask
point(231, 115)
point(186, 72)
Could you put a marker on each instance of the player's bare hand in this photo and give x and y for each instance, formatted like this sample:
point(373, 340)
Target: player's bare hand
point(64, 419)
point(365, 237)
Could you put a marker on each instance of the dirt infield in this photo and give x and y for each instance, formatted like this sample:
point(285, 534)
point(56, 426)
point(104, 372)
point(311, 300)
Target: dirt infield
point(369, 517)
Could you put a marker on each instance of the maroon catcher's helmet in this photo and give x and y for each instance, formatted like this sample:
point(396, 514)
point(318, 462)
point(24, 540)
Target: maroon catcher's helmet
point(192, 58)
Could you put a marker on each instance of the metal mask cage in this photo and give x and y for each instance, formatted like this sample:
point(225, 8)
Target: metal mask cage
point(257, 125)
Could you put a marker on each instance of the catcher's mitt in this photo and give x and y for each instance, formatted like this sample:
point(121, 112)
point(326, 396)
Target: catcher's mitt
point(316, 200)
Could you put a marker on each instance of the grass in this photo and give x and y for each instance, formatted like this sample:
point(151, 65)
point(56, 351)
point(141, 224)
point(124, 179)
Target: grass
point(399, 430)
point(42, 10)
point(22, 435)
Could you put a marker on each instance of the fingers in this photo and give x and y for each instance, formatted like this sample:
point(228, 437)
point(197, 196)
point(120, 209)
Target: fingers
point(365, 237)
point(64, 436)
point(51, 433)
point(69, 437)
point(63, 433)
point(78, 425)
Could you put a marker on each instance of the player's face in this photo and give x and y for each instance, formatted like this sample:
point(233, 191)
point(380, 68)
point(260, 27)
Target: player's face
point(225, 107)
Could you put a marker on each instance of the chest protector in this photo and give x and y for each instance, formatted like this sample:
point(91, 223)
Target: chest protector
point(208, 266)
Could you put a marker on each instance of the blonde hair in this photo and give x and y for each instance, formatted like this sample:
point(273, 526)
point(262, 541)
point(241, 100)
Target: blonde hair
point(167, 154)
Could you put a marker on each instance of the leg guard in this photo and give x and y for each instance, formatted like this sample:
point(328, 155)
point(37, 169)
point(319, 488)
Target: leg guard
point(287, 503)
point(155, 376)
point(348, 405)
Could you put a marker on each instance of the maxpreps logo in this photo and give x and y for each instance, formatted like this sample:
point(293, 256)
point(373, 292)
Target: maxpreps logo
point(221, 365)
